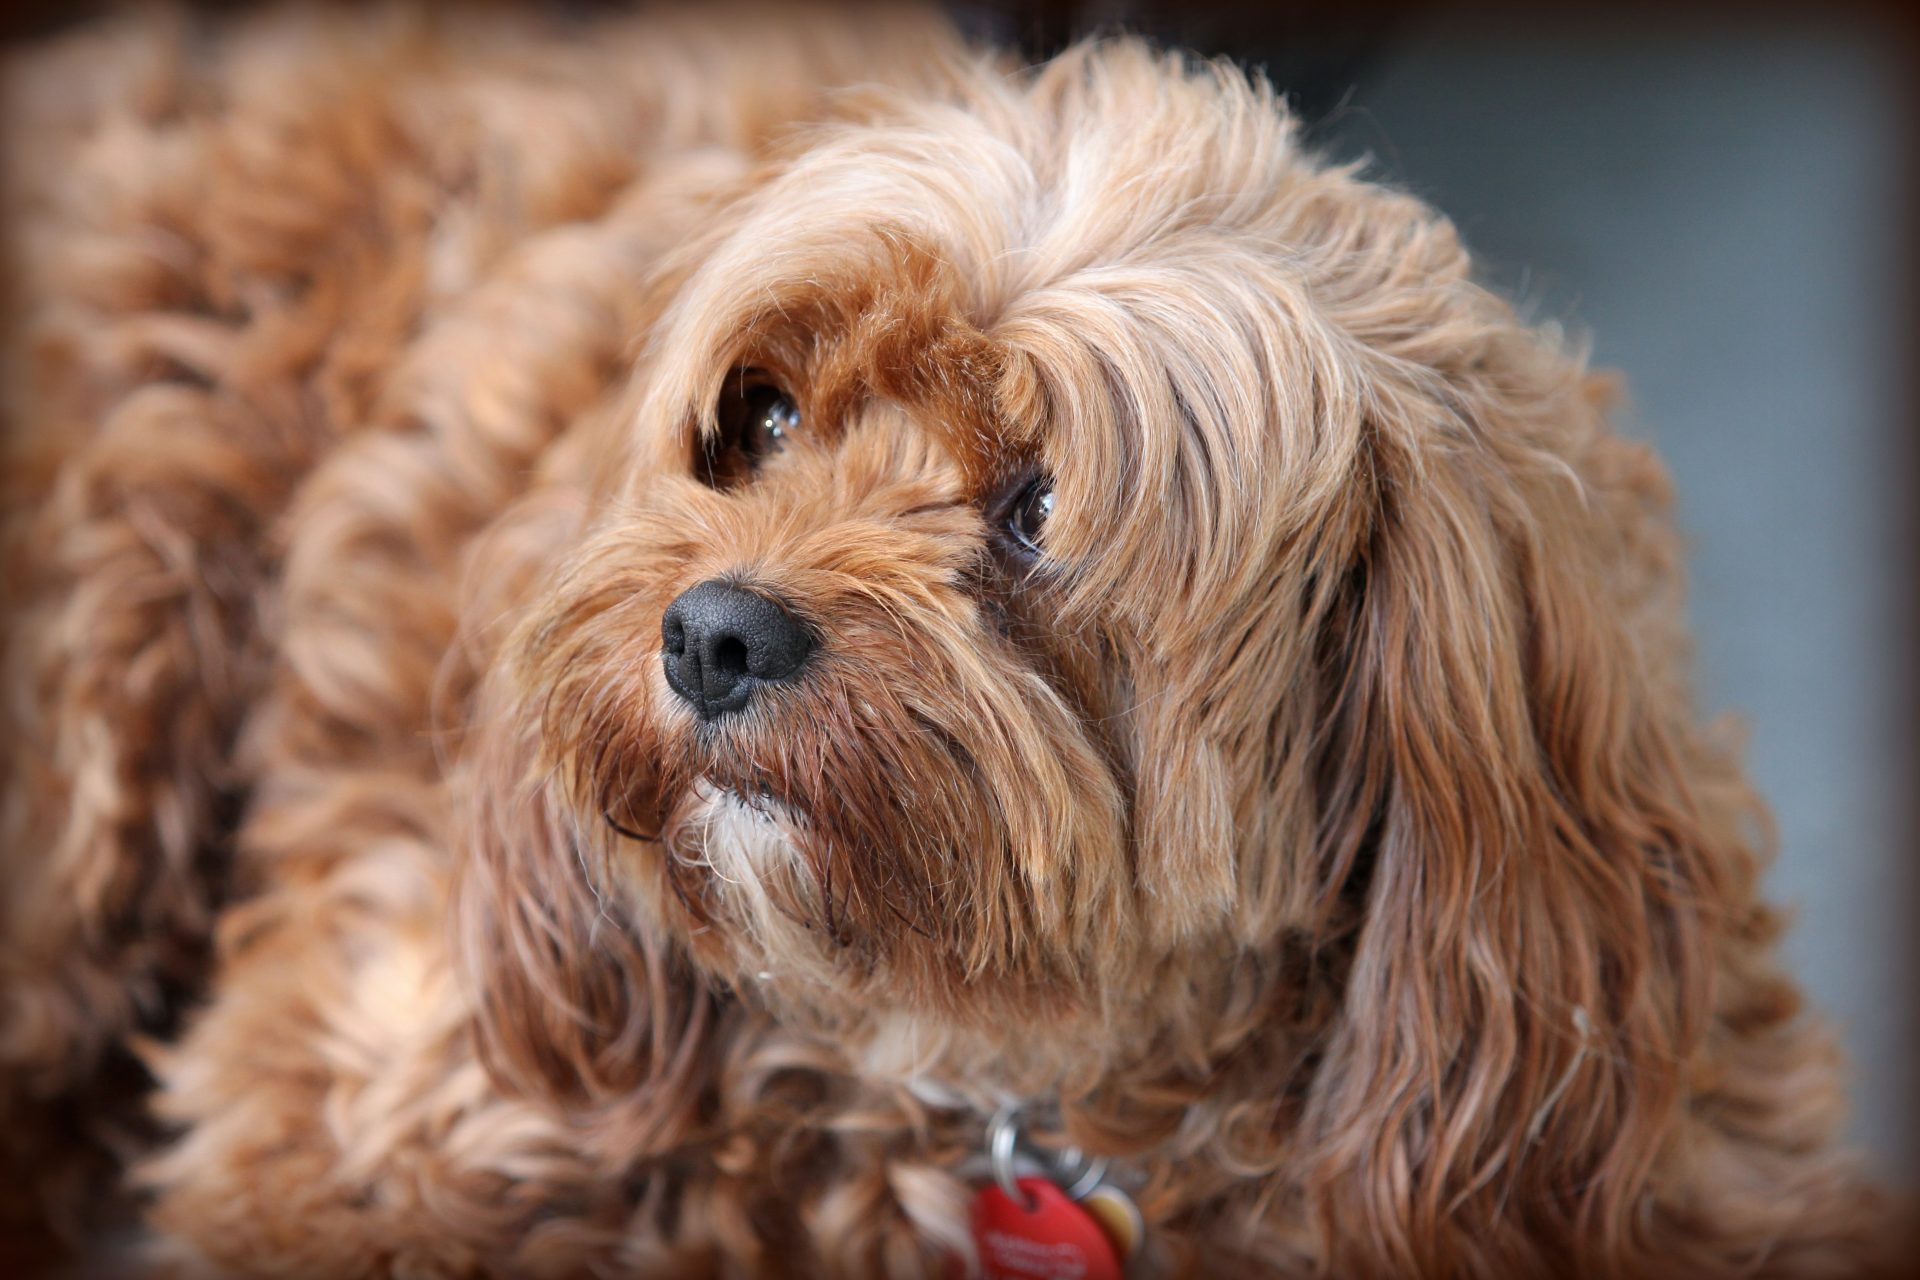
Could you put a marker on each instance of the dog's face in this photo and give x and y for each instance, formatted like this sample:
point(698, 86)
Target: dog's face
point(931, 641)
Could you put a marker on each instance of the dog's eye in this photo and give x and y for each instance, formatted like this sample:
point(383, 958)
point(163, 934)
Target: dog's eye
point(1028, 511)
point(753, 419)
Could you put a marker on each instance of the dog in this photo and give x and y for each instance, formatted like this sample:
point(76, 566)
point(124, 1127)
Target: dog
point(627, 634)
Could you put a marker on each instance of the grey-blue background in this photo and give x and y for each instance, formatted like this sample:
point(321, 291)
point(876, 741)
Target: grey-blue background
point(1722, 212)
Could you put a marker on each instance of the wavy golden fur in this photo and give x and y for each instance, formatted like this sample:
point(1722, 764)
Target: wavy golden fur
point(1319, 827)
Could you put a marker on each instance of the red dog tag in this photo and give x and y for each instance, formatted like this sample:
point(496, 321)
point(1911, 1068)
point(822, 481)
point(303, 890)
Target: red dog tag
point(1054, 1240)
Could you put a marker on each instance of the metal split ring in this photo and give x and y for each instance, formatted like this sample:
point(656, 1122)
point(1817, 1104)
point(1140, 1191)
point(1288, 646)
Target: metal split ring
point(1070, 1169)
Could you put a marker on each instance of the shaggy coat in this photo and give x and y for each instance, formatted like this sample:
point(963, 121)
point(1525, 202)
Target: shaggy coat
point(1310, 815)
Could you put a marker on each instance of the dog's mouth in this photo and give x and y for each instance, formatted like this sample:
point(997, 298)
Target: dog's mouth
point(729, 807)
point(766, 900)
point(682, 821)
point(805, 855)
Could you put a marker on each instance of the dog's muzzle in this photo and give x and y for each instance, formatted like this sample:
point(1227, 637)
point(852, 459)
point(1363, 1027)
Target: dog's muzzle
point(722, 641)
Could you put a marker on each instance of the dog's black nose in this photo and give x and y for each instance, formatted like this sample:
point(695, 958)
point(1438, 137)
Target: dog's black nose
point(722, 641)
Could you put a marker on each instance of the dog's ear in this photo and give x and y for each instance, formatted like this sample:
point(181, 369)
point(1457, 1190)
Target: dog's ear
point(576, 1000)
point(1531, 839)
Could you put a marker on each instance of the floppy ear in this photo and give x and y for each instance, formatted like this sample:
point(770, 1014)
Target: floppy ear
point(576, 1000)
point(1512, 783)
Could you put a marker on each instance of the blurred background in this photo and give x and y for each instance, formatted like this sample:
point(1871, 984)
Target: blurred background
point(1722, 203)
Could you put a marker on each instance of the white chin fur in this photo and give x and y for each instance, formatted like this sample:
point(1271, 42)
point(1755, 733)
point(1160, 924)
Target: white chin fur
point(740, 841)
point(748, 846)
point(748, 849)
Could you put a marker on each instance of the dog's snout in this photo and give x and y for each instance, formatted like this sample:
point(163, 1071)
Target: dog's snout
point(721, 641)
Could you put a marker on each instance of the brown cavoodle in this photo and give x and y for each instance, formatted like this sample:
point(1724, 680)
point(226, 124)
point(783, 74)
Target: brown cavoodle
point(617, 631)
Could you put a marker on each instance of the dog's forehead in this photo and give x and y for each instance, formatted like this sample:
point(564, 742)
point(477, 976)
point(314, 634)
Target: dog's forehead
point(1110, 277)
point(1009, 189)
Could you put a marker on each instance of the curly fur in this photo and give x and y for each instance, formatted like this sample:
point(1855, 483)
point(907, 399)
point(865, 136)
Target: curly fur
point(1321, 829)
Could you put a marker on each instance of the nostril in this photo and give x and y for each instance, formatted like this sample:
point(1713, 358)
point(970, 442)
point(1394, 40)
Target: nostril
point(730, 656)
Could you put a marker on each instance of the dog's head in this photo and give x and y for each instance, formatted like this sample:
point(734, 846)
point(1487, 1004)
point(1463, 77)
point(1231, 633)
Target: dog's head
point(1073, 554)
